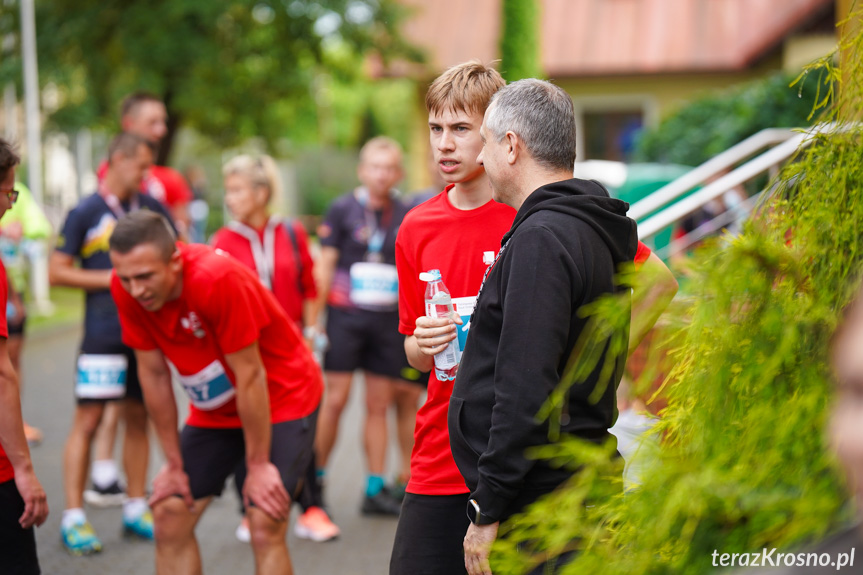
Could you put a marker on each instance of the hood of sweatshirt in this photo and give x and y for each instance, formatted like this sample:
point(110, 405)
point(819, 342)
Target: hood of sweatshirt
point(590, 202)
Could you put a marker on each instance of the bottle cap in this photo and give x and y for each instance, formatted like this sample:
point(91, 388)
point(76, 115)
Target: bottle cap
point(430, 276)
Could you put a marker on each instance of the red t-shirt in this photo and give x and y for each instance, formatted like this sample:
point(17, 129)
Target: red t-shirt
point(641, 254)
point(223, 308)
point(6, 471)
point(164, 184)
point(436, 235)
point(285, 281)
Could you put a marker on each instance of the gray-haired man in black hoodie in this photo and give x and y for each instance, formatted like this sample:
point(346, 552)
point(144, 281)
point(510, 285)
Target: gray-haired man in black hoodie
point(562, 252)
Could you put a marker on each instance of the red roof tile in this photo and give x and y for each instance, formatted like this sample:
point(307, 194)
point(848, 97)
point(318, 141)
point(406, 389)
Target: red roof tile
point(605, 37)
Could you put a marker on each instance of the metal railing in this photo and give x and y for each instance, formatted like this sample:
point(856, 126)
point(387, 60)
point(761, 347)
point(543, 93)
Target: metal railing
point(785, 144)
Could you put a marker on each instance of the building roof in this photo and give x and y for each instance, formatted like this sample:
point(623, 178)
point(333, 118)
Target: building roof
point(616, 37)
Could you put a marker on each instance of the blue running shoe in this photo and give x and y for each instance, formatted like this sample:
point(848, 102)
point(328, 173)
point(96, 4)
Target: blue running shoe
point(140, 527)
point(80, 539)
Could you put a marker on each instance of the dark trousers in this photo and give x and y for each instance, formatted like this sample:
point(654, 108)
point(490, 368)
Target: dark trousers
point(17, 545)
point(430, 535)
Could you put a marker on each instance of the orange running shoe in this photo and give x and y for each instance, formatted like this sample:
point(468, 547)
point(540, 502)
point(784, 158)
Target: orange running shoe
point(316, 525)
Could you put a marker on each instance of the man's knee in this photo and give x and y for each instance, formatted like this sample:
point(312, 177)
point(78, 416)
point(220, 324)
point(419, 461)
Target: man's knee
point(136, 416)
point(265, 531)
point(87, 418)
point(173, 523)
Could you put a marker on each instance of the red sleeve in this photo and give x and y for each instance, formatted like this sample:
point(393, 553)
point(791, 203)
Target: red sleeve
point(310, 291)
point(4, 294)
point(641, 254)
point(235, 308)
point(177, 192)
point(411, 305)
point(134, 334)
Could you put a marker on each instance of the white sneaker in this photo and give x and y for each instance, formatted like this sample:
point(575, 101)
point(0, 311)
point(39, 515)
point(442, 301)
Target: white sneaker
point(242, 532)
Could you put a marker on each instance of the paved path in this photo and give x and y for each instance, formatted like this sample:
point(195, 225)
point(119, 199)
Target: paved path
point(363, 549)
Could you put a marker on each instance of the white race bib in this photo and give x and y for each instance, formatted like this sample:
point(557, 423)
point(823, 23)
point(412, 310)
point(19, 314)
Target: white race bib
point(101, 376)
point(208, 389)
point(374, 285)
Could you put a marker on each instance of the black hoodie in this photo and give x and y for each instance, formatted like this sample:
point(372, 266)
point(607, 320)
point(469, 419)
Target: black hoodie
point(562, 252)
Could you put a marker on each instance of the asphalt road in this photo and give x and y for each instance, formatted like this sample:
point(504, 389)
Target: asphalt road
point(363, 548)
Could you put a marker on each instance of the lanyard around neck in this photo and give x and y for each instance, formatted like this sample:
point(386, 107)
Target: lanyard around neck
point(264, 253)
point(377, 229)
point(113, 202)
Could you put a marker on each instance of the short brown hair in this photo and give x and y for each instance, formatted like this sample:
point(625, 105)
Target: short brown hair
point(127, 144)
point(380, 143)
point(8, 158)
point(132, 101)
point(143, 227)
point(466, 87)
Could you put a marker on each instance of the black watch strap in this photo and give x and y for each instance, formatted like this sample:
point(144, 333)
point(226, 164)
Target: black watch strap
point(474, 513)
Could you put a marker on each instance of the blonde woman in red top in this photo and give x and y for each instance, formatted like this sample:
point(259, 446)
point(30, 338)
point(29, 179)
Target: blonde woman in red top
point(277, 249)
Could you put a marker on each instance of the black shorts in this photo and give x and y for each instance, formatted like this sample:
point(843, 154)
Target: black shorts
point(17, 327)
point(132, 384)
point(430, 535)
point(369, 340)
point(17, 546)
point(211, 455)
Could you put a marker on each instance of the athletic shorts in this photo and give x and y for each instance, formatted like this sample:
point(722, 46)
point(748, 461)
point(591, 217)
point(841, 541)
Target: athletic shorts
point(16, 328)
point(430, 535)
point(17, 546)
point(368, 340)
point(211, 455)
point(102, 377)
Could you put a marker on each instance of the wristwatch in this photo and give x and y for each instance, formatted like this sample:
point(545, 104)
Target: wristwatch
point(475, 515)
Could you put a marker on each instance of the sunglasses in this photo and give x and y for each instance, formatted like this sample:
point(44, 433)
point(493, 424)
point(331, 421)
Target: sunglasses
point(12, 193)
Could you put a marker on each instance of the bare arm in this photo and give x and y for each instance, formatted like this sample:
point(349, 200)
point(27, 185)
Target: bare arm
point(655, 289)
point(62, 272)
point(155, 380)
point(15, 444)
point(325, 269)
point(263, 483)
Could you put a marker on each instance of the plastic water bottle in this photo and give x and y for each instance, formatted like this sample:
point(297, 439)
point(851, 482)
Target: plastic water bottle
point(439, 304)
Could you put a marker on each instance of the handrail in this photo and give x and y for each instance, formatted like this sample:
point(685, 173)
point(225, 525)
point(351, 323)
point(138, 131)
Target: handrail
point(742, 174)
point(716, 165)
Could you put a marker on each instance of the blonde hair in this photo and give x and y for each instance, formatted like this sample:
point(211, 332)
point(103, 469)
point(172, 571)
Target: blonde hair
point(466, 87)
point(380, 143)
point(260, 171)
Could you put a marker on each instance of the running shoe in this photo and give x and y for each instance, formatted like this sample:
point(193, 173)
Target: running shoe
point(111, 496)
point(140, 527)
point(80, 539)
point(242, 533)
point(383, 503)
point(316, 525)
point(397, 489)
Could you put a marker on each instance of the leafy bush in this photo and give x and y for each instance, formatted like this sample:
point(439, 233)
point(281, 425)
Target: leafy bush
point(714, 123)
point(742, 464)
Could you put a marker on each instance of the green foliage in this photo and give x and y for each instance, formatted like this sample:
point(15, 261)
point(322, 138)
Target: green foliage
point(231, 69)
point(519, 40)
point(715, 122)
point(742, 464)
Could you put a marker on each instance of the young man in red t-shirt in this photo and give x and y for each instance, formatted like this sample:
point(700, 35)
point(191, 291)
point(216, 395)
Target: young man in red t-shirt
point(23, 503)
point(456, 232)
point(254, 387)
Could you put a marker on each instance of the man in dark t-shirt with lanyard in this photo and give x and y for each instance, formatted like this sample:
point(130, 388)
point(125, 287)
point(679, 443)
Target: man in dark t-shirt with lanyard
point(106, 370)
point(359, 284)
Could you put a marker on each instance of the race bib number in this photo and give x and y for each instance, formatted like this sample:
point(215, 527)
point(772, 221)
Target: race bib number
point(101, 376)
point(463, 306)
point(374, 285)
point(208, 389)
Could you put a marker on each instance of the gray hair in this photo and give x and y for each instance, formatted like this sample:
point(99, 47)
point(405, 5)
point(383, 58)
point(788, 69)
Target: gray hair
point(541, 115)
